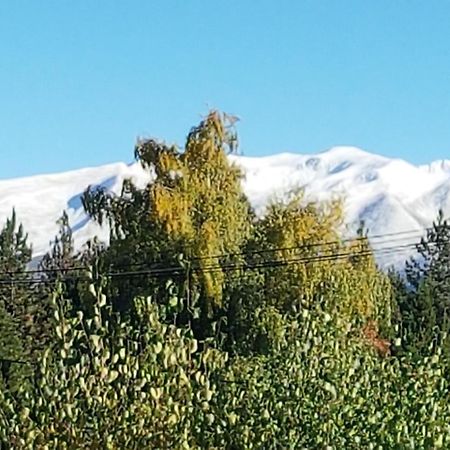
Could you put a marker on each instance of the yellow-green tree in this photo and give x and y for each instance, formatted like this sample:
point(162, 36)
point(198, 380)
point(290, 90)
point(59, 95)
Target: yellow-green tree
point(294, 234)
point(311, 263)
point(192, 217)
point(235, 264)
point(197, 197)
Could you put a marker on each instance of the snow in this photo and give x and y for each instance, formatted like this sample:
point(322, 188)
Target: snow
point(389, 195)
point(40, 200)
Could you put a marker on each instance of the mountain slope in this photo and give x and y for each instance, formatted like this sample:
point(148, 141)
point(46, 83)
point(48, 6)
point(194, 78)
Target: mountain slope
point(389, 195)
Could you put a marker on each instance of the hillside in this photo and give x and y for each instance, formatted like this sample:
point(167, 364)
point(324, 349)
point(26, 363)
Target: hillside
point(389, 195)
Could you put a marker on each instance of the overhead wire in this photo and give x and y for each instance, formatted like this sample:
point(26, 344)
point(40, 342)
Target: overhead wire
point(268, 263)
point(370, 238)
point(244, 253)
point(264, 264)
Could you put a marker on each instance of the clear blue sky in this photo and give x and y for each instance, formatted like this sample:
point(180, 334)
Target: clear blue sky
point(80, 80)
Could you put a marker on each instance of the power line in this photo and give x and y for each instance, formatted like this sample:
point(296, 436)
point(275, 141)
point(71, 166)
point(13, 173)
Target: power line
point(275, 262)
point(305, 246)
point(180, 271)
point(228, 255)
point(267, 264)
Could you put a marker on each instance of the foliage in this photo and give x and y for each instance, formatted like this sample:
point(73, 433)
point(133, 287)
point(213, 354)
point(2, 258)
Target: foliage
point(425, 301)
point(61, 257)
point(203, 325)
point(15, 254)
point(106, 384)
point(11, 349)
point(323, 386)
point(303, 262)
point(194, 207)
point(18, 330)
point(198, 199)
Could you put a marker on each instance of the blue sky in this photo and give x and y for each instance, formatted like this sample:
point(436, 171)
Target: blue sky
point(79, 81)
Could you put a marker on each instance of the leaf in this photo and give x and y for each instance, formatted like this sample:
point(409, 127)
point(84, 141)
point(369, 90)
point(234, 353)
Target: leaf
point(157, 348)
point(113, 374)
point(95, 340)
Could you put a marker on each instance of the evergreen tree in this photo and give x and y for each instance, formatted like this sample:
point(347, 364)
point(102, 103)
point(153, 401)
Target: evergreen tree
point(61, 263)
point(56, 266)
point(12, 353)
point(425, 308)
point(15, 254)
point(16, 320)
point(61, 257)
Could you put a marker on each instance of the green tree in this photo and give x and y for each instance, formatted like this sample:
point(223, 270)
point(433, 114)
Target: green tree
point(15, 254)
point(110, 383)
point(58, 265)
point(425, 308)
point(61, 257)
point(12, 370)
point(15, 299)
point(191, 215)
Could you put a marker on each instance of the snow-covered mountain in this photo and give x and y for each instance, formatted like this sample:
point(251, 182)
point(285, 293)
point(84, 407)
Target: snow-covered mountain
point(390, 195)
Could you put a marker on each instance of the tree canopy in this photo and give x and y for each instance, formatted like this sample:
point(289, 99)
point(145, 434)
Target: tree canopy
point(202, 324)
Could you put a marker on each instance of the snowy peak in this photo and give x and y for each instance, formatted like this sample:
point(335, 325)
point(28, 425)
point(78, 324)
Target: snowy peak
point(389, 195)
point(438, 167)
point(40, 200)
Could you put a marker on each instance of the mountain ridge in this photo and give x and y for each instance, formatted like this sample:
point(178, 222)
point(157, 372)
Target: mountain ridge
point(390, 195)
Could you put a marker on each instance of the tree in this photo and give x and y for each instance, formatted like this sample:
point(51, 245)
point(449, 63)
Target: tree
point(15, 298)
point(193, 210)
point(294, 229)
point(297, 259)
point(311, 262)
point(110, 383)
point(425, 309)
point(56, 266)
point(61, 257)
point(15, 251)
point(12, 370)
point(197, 197)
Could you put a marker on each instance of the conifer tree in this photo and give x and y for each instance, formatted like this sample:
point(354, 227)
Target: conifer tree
point(15, 254)
point(56, 266)
point(12, 352)
point(61, 257)
point(425, 309)
point(16, 321)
